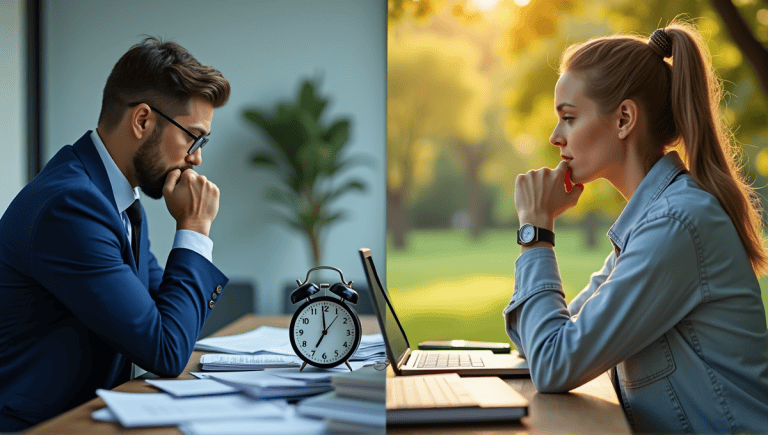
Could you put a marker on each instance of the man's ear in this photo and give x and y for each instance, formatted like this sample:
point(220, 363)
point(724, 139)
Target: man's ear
point(141, 121)
point(627, 113)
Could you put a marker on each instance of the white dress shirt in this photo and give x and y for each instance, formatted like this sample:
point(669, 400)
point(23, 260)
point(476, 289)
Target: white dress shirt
point(125, 195)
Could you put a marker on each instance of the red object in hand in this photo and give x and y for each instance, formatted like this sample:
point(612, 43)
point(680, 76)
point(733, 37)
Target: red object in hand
point(568, 183)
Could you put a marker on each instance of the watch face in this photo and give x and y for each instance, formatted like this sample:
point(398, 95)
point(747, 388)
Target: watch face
point(325, 332)
point(527, 233)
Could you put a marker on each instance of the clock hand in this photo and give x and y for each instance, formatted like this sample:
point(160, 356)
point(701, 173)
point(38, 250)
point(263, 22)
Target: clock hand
point(321, 339)
point(324, 328)
point(329, 326)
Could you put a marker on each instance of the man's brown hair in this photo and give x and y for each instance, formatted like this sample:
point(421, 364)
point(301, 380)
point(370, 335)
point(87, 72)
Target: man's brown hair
point(163, 75)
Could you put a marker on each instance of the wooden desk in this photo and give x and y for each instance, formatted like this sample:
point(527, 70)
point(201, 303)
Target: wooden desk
point(78, 420)
point(591, 408)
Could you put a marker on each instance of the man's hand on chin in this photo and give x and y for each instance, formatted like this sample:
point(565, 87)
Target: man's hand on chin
point(192, 200)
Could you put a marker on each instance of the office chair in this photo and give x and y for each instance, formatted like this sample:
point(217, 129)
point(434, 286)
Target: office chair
point(235, 301)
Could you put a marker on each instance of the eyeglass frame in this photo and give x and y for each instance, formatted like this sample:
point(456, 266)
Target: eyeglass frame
point(199, 142)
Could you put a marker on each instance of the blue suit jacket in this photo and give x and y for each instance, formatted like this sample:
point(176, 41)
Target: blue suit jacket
point(75, 309)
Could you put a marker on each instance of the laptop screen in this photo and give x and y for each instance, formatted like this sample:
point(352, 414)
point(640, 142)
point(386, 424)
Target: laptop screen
point(394, 336)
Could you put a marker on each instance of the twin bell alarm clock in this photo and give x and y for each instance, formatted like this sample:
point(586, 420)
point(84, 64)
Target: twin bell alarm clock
point(325, 331)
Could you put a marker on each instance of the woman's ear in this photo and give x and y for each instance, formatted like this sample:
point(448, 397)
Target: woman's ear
point(627, 113)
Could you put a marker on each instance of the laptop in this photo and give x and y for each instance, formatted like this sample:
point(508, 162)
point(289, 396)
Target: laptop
point(420, 362)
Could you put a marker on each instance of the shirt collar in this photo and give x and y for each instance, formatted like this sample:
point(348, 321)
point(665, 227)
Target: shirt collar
point(654, 183)
point(125, 195)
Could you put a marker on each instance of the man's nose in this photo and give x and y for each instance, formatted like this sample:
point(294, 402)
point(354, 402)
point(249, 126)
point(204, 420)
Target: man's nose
point(196, 158)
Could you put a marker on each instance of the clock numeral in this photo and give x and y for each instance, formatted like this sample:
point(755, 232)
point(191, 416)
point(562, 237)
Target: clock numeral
point(349, 332)
point(337, 352)
point(313, 353)
point(301, 332)
point(306, 321)
point(345, 320)
point(325, 356)
point(313, 310)
point(337, 310)
point(326, 308)
point(303, 344)
point(345, 344)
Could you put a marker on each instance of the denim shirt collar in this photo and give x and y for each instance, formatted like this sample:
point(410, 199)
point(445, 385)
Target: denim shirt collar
point(654, 183)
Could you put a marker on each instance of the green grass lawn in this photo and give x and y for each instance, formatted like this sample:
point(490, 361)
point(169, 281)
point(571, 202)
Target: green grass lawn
point(446, 285)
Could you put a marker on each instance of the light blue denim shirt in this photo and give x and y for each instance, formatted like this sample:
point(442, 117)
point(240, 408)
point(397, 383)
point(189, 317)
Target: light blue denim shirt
point(675, 314)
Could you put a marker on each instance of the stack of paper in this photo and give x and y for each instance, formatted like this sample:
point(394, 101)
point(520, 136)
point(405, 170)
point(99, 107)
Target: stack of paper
point(262, 385)
point(356, 406)
point(206, 415)
point(267, 340)
point(223, 362)
point(368, 383)
point(358, 413)
point(137, 409)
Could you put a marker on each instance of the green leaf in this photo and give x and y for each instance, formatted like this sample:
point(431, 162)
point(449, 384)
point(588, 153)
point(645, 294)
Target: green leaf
point(326, 220)
point(277, 195)
point(352, 185)
point(310, 101)
point(359, 160)
point(338, 134)
point(262, 159)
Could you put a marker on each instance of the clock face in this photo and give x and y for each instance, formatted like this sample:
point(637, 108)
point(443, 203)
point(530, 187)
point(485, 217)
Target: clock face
point(527, 234)
point(324, 332)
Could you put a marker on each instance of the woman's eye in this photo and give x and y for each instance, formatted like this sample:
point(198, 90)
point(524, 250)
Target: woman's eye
point(567, 118)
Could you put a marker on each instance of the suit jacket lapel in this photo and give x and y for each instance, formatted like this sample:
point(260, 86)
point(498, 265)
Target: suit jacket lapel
point(86, 151)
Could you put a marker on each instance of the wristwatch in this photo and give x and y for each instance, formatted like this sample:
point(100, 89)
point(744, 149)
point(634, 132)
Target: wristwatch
point(529, 234)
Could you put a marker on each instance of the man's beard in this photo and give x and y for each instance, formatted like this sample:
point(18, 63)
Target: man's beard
point(150, 172)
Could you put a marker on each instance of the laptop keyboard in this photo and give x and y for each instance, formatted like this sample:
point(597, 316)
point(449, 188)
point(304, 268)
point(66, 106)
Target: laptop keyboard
point(443, 360)
point(426, 392)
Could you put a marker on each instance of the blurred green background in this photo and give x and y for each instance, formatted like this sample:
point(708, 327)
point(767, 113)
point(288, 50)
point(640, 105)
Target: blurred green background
point(470, 88)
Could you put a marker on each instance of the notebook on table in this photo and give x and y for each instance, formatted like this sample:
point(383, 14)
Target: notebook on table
point(418, 362)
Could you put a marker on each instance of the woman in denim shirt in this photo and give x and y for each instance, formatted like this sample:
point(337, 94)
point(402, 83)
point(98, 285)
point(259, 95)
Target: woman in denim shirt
point(675, 315)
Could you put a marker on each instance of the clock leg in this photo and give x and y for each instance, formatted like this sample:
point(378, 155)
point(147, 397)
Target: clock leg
point(350, 367)
point(302, 366)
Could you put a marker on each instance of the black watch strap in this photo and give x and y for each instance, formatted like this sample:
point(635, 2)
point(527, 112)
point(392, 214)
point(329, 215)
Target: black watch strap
point(546, 236)
point(542, 235)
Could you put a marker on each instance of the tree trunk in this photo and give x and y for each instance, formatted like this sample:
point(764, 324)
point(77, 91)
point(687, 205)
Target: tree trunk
point(474, 156)
point(397, 216)
point(591, 224)
point(738, 29)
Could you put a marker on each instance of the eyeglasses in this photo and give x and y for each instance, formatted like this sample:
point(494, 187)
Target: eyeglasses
point(199, 142)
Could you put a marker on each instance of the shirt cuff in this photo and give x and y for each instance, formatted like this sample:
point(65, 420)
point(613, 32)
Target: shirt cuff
point(535, 271)
point(194, 241)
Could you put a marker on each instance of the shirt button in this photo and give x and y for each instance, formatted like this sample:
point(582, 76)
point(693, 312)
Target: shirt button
point(214, 296)
point(211, 304)
point(218, 289)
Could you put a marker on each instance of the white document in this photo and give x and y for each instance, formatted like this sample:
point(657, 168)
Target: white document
point(266, 339)
point(104, 414)
point(192, 387)
point(292, 423)
point(217, 361)
point(137, 409)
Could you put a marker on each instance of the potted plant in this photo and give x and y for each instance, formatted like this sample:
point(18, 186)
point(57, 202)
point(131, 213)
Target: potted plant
point(306, 155)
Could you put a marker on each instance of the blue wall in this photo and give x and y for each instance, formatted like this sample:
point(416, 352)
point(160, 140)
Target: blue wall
point(12, 101)
point(264, 48)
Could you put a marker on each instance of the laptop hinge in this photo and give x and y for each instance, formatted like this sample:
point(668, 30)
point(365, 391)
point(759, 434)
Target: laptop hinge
point(404, 359)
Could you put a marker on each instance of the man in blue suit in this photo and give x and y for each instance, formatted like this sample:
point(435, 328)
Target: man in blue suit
point(81, 295)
